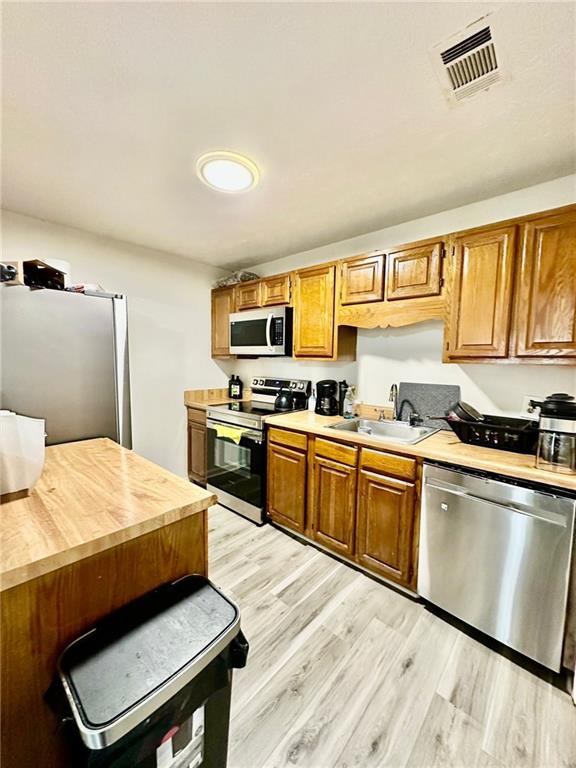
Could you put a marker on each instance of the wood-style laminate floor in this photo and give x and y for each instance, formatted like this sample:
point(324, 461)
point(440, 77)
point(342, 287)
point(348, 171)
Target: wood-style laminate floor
point(345, 672)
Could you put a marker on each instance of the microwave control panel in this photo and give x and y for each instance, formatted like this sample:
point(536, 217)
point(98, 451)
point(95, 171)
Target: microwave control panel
point(277, 331)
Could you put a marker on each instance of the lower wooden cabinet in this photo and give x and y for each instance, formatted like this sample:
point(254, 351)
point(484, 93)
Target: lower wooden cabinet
point(333, 502)
point(287, 486)
point(358, 503)
point(197, 446)
point(385, 525)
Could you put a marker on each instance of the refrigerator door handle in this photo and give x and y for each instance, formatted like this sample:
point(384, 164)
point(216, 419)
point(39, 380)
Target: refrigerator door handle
point(122, 369)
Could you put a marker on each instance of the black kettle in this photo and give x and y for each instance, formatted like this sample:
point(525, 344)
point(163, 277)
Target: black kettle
point(284, 400)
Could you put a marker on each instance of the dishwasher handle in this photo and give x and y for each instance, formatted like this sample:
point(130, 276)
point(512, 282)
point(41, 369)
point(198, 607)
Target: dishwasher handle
point(544, 515)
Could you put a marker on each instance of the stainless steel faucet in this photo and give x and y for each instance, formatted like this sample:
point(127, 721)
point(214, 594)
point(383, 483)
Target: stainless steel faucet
point(393, 398)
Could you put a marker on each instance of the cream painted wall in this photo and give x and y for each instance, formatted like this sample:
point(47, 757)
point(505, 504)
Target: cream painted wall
point(415, 353)
point(168, 316)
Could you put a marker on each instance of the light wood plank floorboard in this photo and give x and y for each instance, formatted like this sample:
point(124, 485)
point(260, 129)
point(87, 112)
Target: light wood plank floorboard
point(344, 672)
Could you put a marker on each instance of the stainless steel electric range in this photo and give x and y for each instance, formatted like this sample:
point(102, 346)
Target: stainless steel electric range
point(236, 448)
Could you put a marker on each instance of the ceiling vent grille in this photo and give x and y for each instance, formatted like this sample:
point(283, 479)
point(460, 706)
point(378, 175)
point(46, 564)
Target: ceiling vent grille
point(469, 64)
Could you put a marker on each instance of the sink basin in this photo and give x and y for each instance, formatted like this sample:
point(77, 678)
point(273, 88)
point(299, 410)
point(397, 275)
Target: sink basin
point(394, 431)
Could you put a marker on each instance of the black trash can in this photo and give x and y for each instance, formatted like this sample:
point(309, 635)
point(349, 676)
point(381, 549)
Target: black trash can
point(150, 685)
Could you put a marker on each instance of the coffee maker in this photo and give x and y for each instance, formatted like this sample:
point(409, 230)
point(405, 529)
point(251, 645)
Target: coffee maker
point(557, 441)
point(327, 397)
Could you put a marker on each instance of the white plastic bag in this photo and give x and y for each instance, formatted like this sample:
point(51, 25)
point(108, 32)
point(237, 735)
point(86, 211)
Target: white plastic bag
point(22, 449)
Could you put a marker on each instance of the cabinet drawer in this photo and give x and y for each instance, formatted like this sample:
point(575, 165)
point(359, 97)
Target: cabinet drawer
point(285, 437)
point(345, 454)
point(388, 463)
point(197, 415)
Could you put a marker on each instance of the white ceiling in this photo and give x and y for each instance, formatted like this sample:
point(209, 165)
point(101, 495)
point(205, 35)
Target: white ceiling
point(107, 105)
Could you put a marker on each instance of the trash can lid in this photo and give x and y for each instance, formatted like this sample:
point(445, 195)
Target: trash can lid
point(132, 662)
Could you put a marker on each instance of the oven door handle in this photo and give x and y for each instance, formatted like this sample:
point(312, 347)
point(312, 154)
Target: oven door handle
point(268, 329)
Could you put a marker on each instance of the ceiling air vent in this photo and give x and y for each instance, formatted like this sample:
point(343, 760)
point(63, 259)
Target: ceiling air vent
point(467, 63)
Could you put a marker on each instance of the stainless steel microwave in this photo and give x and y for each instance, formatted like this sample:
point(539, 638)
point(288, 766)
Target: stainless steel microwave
point(262, 332)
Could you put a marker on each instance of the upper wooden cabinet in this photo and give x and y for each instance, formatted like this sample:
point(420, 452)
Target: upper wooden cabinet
point(268, 292)
point(222, 308)
point(482, 273)
point(275, 290)
point(362, 279)
point(314, 316)
point(414, 270)
point(248, 295)
point(286, 486)
point(385, 522)
point(545, 317)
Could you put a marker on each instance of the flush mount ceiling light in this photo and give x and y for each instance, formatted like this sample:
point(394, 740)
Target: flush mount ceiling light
point(227, 171)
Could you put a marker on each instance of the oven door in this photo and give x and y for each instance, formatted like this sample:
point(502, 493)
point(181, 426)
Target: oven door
point(236, 463)
point(259, 332)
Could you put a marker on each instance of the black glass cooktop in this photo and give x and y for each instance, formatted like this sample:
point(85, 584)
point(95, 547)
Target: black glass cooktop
point(254, 408)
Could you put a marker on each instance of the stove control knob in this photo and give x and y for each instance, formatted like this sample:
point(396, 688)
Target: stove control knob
point(261, 382)
point(301, 385)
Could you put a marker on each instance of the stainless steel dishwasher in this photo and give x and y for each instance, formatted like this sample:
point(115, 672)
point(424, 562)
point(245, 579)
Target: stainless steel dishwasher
point(497, 555)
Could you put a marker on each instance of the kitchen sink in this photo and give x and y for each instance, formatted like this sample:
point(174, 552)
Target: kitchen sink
point(393, 431)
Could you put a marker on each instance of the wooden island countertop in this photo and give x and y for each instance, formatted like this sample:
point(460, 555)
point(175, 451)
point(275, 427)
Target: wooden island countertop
point(92, 496)
point(102, 527)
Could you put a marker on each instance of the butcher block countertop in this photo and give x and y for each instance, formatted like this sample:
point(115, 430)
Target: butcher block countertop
point(92, 496)
point(443, 446)
point(203, 398)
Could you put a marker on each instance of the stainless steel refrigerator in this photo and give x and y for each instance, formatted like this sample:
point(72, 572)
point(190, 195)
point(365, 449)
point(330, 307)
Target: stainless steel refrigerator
point(65, 360)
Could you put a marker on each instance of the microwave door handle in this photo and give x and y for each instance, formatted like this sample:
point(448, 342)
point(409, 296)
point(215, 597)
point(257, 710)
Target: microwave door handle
point(268, 328)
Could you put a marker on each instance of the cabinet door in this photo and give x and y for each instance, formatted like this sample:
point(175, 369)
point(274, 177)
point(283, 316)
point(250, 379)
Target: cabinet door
point(362, 280)
point(287, 486)
point(385, 523)
point(481, 294)
point(197, 452)
point(546, 294)
point(248, 296)
point(333, 505)
point(275, 290)
point(414, 271)
point(314, 311)
point(222, 307)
